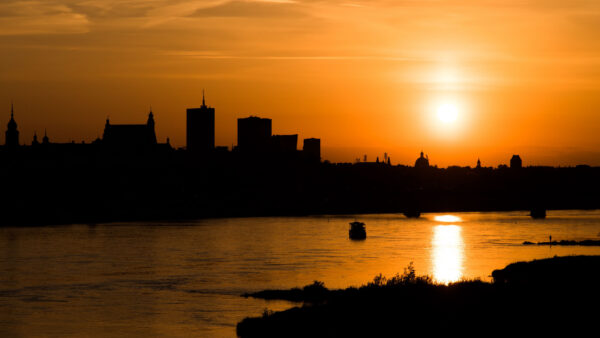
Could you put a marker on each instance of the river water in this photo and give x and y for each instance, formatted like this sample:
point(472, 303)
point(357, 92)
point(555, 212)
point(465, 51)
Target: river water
point(183, 279)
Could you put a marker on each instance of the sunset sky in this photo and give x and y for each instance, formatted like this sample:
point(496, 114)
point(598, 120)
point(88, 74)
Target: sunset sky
point(367, 77)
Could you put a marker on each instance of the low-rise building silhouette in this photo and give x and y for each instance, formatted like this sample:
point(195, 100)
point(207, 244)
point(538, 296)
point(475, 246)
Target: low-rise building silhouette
point(254, 134)
point(130, 136)
point(284, 143)
point(515, 162)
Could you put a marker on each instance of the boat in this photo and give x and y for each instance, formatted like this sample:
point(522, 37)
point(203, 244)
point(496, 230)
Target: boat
point(412, 214)
point(357, 230)
point(538, 213)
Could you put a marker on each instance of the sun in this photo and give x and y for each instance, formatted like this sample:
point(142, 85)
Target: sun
point(447, 112)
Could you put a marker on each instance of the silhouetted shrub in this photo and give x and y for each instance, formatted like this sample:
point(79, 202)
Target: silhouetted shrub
point(266, 313)
point(408, 277)
point(315, 291)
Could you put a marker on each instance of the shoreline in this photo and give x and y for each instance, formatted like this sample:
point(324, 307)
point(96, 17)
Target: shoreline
point(63, 221)
point(585, 242)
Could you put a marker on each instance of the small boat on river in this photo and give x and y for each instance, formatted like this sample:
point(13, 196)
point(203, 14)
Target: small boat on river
point(412, 214)
point(357, 230)
point(538, 213)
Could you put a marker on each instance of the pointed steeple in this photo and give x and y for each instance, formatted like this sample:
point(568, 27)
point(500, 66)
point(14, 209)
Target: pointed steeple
point(151, 131)
point(203, 102)
point(45, 139)
point(12, 134)
point(150, 118)
point(12, 121)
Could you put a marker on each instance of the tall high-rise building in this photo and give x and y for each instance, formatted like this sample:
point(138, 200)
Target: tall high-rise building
point(12, 134)
point(200, 128)
point(254, 134)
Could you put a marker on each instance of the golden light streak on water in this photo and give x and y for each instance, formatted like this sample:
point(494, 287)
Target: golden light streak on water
point(447, 218)
point(447, 253)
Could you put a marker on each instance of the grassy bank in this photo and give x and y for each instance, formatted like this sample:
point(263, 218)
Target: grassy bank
point(535, 297)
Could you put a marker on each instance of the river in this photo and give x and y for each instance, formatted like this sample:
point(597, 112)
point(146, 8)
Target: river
point(182, 279)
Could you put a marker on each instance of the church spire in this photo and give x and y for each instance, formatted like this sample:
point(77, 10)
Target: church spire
point(12, 134)
point(203, 102)
point(45, 139)
point(151, 118)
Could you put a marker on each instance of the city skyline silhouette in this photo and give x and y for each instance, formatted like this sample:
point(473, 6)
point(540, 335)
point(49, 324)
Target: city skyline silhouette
point(466, 84)
point(211, 135)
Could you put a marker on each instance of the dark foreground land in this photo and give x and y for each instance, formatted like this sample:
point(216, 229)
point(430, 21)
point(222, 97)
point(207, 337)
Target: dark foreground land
point(546, 296)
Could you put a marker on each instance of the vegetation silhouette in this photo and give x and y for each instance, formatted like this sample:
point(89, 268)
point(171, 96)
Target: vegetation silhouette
point(539, 297)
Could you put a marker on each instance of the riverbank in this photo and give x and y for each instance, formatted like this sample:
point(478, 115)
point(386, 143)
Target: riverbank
point(540, 296)
point(185, 189)
point(173, 212)
point(586, 242)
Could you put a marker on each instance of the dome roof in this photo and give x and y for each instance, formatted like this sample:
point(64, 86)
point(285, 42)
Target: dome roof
point(422, 162)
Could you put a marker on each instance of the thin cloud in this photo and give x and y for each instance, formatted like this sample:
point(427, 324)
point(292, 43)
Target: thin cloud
point(217, 55)
point(251, 9)
point(36, 17)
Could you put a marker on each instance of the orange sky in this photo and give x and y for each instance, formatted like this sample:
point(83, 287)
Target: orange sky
point(364, 76)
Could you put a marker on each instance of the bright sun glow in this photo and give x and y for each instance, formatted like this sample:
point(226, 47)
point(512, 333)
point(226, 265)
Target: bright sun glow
point(447, 112)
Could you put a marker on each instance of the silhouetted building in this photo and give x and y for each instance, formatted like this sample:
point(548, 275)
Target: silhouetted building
point(128, 136)
point(312, 148)
point(515, 162)
point(478, 164)
point(45, 139)
point(422, 162)
point(35, 141)
point(284, 143)
point(254, 134)
point(200, 128)
point(12, 134)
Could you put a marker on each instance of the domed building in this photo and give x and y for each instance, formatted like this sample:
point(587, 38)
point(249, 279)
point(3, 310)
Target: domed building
point(422, 162)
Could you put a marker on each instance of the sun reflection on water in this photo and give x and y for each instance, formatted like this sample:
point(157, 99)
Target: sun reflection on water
point(447, 253)
point(447, 218)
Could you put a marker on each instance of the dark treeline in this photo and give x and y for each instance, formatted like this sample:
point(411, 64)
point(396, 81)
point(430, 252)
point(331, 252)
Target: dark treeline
point(91, 183)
